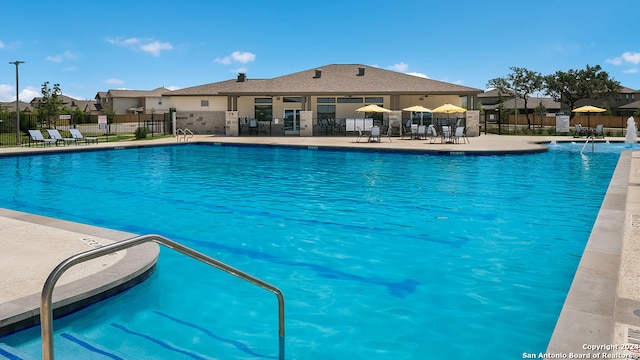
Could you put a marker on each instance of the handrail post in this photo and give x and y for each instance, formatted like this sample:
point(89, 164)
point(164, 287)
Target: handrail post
point(46, 311)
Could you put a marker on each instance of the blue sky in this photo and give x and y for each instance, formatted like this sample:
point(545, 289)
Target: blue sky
point(92, 46)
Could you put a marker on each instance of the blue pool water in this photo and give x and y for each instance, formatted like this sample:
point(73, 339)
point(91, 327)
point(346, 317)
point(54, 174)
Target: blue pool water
point(379, 255)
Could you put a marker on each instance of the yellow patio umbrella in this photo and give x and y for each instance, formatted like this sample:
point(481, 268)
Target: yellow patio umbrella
point(372, 108)
point(588, 109)
point(418, 108)
point(449, 109)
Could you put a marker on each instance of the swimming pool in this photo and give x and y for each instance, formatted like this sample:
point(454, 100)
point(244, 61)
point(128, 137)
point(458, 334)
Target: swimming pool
point(379, 255)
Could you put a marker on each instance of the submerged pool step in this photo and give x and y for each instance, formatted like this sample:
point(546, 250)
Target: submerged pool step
point(11, 353)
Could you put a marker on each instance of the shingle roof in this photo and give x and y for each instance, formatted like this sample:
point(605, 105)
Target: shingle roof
point(333, 79)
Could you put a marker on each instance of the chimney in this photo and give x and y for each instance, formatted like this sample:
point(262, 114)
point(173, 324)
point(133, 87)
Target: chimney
point(242, 77)
point(360, 71)
point(318, 74)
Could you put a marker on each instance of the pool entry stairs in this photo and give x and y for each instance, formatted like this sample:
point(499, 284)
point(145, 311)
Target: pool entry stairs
point(173, 344)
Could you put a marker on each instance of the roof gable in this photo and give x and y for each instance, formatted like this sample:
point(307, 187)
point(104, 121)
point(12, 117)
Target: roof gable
point(332, 79)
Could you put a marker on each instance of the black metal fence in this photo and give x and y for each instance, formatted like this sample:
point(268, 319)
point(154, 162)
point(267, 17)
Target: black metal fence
point(121, 126)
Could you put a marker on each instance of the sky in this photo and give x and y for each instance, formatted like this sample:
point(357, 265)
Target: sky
point(90, 46)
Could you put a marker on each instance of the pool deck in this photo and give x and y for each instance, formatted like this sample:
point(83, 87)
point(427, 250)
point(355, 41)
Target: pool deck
point(602, 307)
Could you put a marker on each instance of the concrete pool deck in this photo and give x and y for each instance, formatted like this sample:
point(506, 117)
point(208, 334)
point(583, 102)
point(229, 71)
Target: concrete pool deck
point(599, 309)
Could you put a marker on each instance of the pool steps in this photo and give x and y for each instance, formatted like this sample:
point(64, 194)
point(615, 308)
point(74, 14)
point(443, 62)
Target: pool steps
point(46, 310)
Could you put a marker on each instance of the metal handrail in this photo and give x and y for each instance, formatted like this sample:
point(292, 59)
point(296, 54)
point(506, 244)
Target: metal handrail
point(46, 311)
point(585, 145)
point(184, 132)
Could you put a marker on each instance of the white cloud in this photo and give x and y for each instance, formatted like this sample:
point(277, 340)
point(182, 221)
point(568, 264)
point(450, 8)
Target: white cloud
point(1, 44)
point(627, 57)
point(113, 81)
point(155, 47)
point(243, 57)
point(633, 58)
point(631, 71)
point(614, 61)
point(7, 93)
point(224, 61)
point(173, 88)
point(151, 46)
point(401, 67)
point(67, 55)
point(236, 57)
point(418, 74)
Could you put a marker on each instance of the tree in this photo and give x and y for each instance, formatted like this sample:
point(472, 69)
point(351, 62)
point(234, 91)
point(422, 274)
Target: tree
point(51, 102)
point(575, 85)
point(521, 83)
point(540, 111)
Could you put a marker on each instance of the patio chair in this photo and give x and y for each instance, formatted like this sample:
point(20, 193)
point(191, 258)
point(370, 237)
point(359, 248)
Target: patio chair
point(375, 134)
point(36, 136)
point(460, 134)
point(599, 132)
point(324, 126)
point(55, 134)
point(422, 132)
point(77, 135)
point(360, 134)
point(432, 133)
point(253, 126)
point(406, 128)
point(389, 131)
point(446, 134)
point(580, 131)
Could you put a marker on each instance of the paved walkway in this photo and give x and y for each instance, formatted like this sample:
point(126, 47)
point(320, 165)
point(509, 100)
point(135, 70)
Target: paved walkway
point(602, 307)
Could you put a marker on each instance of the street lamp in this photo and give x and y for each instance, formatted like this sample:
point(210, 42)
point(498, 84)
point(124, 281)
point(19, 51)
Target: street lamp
point(16, 63)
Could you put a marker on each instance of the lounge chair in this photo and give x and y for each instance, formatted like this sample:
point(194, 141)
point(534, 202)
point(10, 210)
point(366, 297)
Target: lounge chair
point(36, 136)
point(77, 135)
point(580, 131)
point(375, 134)
point(55, 135)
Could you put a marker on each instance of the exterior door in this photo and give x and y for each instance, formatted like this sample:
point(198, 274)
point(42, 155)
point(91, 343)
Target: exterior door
point(291, 122)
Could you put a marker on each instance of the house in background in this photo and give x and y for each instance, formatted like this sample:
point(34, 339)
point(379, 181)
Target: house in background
point(132, 102)
point(11, 106)
point(293, 104)
point(86, 106)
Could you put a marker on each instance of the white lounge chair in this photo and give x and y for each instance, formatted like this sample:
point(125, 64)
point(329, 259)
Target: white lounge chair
point(55, 135)
point(77, 135)
point(36, 136)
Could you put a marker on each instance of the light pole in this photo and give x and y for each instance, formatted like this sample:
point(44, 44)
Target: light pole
point(16, 63)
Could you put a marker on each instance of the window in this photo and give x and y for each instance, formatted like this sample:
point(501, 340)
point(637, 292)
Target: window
point(204, 103)
point(354, 100)
point(263, 100)
point(326, 111)
point(325, 100)
point(289, 99)
point(159, 101)
point(374, 100)
point(264, 112)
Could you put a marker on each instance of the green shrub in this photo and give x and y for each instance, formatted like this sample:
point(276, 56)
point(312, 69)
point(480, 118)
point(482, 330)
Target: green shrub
point(141, 132)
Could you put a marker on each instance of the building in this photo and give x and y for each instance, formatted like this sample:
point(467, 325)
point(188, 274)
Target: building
point(295, 104)
point(133, 102)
